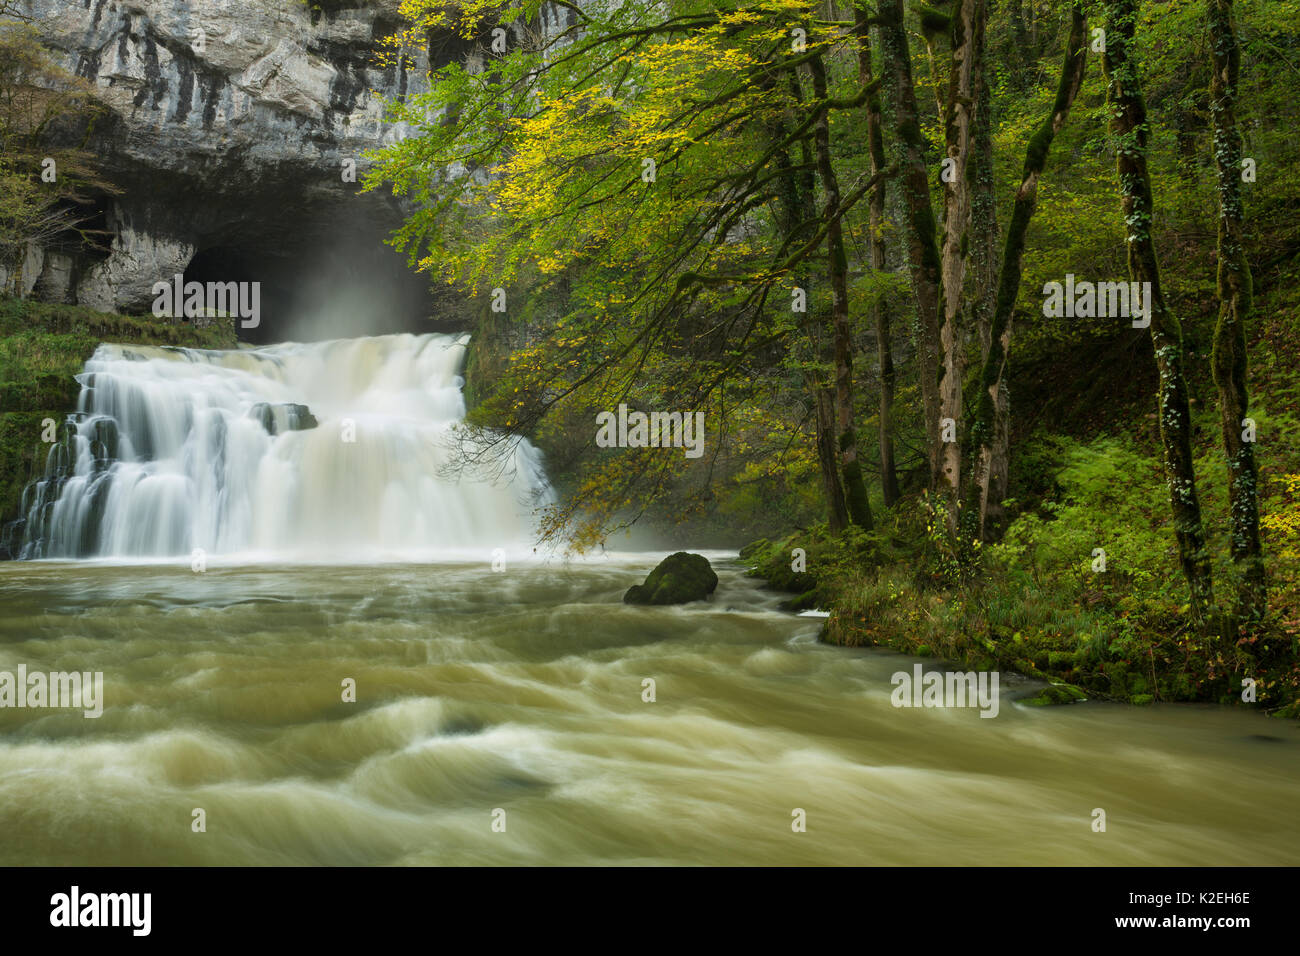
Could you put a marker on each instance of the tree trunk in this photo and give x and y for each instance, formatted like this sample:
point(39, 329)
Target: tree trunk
point(990, 433)
point(837, 506)
point(923, 254)
point(958, 122)
point(1130, 126)
point(880, 308)
point(1235, 295)
point(855, 489)
point(795, 191)
point(982, 273)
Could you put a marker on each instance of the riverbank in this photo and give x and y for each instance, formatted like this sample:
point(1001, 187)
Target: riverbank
point(1113, 635)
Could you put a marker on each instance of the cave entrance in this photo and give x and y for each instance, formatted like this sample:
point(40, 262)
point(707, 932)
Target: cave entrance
point(231, 263)
point(326, 276)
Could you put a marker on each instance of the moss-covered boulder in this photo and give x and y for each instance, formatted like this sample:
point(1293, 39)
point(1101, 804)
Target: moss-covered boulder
point(804, 602)
point(679, 578)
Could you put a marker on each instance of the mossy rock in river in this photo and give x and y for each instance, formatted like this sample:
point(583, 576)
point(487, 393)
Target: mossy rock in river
point(680, 578)
point(1056, 694)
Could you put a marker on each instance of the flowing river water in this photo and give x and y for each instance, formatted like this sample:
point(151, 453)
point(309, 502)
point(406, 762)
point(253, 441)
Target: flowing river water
point(521, 690)
point(231, 538)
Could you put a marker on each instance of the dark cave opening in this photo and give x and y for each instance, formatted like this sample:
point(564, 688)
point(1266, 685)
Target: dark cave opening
point(331, 277)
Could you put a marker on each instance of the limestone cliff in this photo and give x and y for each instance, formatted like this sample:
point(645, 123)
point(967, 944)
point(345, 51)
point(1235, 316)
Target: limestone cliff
point(230, 124)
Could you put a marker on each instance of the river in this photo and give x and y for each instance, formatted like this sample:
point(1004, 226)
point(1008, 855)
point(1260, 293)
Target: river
point(521, 690)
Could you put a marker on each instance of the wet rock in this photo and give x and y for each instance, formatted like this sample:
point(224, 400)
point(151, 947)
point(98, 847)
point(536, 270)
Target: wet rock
point(283, 417)
point(679, 578)
point(104, 443)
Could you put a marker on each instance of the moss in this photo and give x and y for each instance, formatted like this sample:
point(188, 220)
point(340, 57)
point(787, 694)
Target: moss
point(1290, 711)
point(1142, 699)
point(1055, 694)
point(934, 23)
point(773, 562)
point(679, 578)
point(1025, 666)
point(804, 602)
point(20, 317)
point(755, 551)
point(22, 455)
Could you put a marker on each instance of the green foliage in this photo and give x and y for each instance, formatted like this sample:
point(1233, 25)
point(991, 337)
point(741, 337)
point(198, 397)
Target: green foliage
point(1111, 497)
point(672, 294)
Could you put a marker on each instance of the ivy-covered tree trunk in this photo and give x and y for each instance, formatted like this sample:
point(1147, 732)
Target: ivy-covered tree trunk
point(855, 489)
point(982, 283)
point(1235, 305)
point(1132, 141)
point(967, 31)
point(881, 317)
point(919, 225)
point(991, 429)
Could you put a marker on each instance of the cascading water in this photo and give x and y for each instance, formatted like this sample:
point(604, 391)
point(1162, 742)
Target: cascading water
point(342, 450)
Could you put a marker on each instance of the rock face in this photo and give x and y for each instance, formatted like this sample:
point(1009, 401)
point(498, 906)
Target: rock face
point(679, 578)
point(231, 123)
point(256, 82)
point(233, 126)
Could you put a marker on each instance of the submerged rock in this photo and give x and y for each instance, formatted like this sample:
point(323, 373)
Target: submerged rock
point(679, 578)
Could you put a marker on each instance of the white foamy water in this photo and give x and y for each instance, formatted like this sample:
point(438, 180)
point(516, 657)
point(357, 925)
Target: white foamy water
point(178, 449)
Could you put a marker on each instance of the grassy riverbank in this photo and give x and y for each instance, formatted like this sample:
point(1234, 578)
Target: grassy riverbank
point(1034, 602)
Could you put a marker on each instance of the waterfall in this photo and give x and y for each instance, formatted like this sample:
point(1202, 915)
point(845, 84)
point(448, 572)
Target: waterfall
point(353, 449)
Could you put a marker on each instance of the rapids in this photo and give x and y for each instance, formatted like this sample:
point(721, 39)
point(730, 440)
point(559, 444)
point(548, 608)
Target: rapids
point(521, 690)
